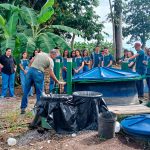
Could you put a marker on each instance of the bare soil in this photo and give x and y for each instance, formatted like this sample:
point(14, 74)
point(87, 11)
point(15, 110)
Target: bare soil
point(12, 124)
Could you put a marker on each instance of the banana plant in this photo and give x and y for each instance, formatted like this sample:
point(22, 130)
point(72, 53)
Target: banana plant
point(32, 33)
point(8, 31)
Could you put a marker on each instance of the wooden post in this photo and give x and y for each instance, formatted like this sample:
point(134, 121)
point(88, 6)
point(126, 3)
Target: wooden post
point(69, 76)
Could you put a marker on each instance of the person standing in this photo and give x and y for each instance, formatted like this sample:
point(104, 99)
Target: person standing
point(64, 69)
point(35, 76)
point(58, 56)
point(131, 62)
point(9, 67)
point(125, 56)
point(86, 59)
point(24, 67)
point(96, 58)
point(140, 69)
point(108, 58)
point(147, 63)
point(79, 63)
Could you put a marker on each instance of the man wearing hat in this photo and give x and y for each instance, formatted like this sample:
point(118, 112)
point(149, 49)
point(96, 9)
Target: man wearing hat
point(35, 76)
point(140, 68)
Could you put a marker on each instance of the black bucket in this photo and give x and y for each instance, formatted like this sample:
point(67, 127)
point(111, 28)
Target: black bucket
point(106, 125)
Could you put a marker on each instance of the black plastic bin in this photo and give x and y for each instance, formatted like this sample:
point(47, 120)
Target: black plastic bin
point(71, 113)
point(106, 124)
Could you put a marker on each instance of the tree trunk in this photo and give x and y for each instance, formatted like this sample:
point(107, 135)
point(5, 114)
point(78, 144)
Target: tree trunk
point(72, 41)
point(118, 27)
point(113, 28)
point(143, 40)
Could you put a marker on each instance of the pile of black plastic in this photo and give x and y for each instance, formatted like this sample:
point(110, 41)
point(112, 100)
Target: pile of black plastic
point(66, 113)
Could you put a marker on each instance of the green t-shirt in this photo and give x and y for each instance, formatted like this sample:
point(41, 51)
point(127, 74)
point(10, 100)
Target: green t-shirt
point(107, 59)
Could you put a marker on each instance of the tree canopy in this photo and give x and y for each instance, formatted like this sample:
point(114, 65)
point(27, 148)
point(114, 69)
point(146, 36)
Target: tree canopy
point(79, 15)
point(137, 19)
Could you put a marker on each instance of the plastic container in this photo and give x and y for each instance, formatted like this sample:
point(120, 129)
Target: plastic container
point(106, 125)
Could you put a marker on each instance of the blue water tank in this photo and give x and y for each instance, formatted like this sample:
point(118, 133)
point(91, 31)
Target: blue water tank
point(117, 86)
point(138, 125)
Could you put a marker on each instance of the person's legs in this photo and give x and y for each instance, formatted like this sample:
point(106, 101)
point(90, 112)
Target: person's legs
point(5, 79)
point(22, 78)
point(38, 81)
point(148, 84)
point(140, 88)
point(28, 84)
point(12, 84)
point(31, 90)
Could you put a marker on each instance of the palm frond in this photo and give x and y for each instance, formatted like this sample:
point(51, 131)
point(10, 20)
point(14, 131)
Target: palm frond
point(2, 21)
point(12, 23)
point(8, 43)
point(67, 29)
point(9, 7)
point(45, 14)
point(29, 15)
point(45, 42)
point(26, 43)
point(60, 42)
point(49, 3)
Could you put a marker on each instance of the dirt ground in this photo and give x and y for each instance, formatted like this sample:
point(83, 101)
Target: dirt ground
point(12, 124)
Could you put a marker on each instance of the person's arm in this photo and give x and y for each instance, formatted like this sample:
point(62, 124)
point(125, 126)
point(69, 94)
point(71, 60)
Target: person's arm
point(53, 76)
point(55, 79)
point(82, 65)
point(15, 67)
point(31, 61)
point(111, 61)
point(1, 62)
point(134, 56)
point(131, 64)
point(91, 60)
point(21, 67)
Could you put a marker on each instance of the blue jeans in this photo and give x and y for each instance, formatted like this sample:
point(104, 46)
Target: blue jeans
point(8, 82)
point(36, 77)
point(23, 81)
point(148, 83)
point(140, 88)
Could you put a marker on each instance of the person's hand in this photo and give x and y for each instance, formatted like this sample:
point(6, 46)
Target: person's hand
point(1, 66)
point(25, 72)
point(145, 62)
point(15, 69)
point(64, 68)
point(85, 62)
point(61, 83)
point(76, 71)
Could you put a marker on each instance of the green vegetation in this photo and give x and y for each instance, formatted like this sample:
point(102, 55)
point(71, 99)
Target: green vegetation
point(25, 29)
point(137, 20)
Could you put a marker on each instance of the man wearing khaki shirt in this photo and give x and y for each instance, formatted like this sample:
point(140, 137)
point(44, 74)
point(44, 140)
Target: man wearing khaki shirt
point(35, 76)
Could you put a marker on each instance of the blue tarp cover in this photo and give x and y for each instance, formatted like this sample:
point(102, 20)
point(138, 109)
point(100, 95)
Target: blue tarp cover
point(108, 74)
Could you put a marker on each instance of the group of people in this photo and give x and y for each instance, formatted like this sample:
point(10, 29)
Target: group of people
point(140, 63)
point(32, 69)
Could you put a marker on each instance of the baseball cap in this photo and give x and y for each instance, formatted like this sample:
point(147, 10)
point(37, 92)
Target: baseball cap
point(137, 44)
